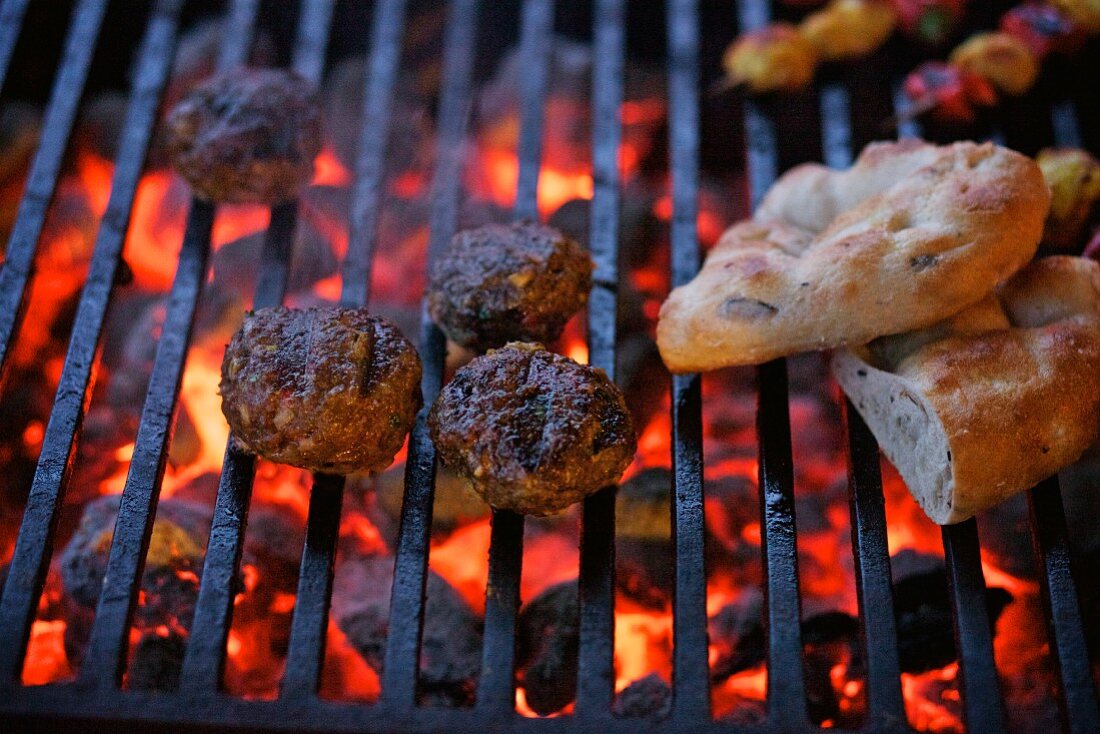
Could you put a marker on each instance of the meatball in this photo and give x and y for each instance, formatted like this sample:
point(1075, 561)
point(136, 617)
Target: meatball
point(502, 283)
point(531, 430)
point(247, 136)
point(328, 389)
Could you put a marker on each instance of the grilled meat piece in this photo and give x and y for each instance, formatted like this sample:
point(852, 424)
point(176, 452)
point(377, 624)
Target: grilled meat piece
point(502, 283)
point(247, 136)
point(328, 389)
point(533, 431)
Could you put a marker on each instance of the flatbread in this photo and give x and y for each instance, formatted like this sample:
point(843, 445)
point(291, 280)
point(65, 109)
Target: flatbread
point(989, 403)
point(910, 235)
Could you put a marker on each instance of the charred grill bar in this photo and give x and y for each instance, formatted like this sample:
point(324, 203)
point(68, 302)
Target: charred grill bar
point(95, 696)
point(496, 692)
point(28, 565)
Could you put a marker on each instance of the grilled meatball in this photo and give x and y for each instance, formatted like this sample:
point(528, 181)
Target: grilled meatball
point(329, 389)
point(502, 283)
point(531, 430)
point(247, 136)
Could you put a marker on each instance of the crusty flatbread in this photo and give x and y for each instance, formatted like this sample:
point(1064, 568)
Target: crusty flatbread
point(987, 404)
point(910, 235)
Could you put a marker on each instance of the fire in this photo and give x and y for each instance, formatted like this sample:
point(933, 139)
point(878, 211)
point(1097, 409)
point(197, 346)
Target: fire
point(156, 227)
point(643, 631)
point(554, 189)
point(46, 661)
point(329, 171)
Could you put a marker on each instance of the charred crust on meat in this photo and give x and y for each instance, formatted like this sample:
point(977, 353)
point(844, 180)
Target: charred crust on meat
point(502, 283)
point(327, 389)
point(531, 430)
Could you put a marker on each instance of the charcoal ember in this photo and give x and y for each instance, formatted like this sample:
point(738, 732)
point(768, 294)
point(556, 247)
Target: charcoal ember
point(236, 264)
point(808, 375)
point(201, 490)
point(643, 506)
point(732, 512)
point(176, 544)
point(639, 229)
point(737, 633)
point(170, 580)
point(644, 570)
point(829, 638)
point(548, 633)
point(219, 315)
point(99, 128)
point(19, 133)
point(649, 697)
point(456, 504)
point(173, 565)
point(922, 610)
point(909, 562)
point(642, 376)
point(746, 712)
point(411, 141)
point(570, 79)
point(273, 547)
point(817, 431)
point(450, 656)
point(156, 662)
point(1005, 530)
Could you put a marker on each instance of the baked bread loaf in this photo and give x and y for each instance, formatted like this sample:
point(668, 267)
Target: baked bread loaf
point(910, 235)
point(992, 401)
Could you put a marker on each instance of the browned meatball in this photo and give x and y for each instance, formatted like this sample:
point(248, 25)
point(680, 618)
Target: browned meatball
point(502, 283)
point(329, 389)
point(247, 136)
point(533, 431)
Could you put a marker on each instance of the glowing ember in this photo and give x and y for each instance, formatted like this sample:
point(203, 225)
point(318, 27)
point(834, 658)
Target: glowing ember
point(263, 607)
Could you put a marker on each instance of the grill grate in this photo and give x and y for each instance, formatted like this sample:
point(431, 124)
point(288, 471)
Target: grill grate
point(95, 697)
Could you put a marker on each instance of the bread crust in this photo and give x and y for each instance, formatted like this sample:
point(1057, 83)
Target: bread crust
point(992, 404)
point(910, 235)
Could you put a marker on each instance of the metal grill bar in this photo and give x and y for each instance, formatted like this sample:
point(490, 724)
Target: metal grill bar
point(306, 651)
point(305, 657)
point(871, 554)
point(306, 647)
point(496, 687)
point(870, 551)
point(11, 20)
point(496, 690)
point(786, 685)
point(312, 42)
point(535, 48)
point(204, 656)
point(690, 670)
point(596, 650)
point(1078, 700)
point(236, 43)
point(370, 168)
point(33, 546)
point(410, 567)
point(983, 702)
point(68, 88)
point(105, 657)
